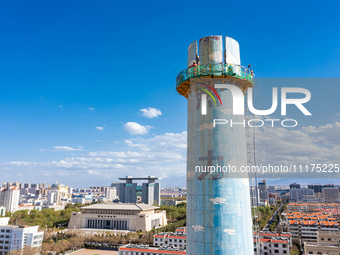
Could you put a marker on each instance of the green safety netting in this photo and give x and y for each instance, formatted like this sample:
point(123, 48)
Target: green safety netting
point(236, 71)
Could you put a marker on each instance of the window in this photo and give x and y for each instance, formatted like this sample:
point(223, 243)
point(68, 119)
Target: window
point(276, 251)
point(7, 236)
point(322, 239)
point(2, 236)
point(276, 245)
point(6, 242)
point(2, 230)
point(284, 245)
point(284, 252)
point(329, 239)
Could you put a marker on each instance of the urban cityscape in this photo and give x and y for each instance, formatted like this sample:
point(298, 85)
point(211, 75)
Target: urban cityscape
point(291, 217)
point(166, 128)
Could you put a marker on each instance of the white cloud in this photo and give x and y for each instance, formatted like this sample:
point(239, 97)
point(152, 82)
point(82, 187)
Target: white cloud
point(136, 129)
point(131, 144)
point(100, 128)
point(165, 155)
point(150, 112)
point(308, 145)
point(198, 228)
point(91, 109)
point(67, 148)
point(218, 200)
point(229, 231)
point(93, 172)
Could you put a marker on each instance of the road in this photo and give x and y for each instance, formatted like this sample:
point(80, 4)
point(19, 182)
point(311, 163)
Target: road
point(266, 227)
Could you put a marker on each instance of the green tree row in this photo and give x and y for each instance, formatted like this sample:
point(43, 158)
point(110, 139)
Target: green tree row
point(43, 218)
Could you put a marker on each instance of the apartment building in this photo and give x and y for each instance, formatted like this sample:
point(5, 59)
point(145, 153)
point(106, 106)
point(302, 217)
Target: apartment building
point(9, 198)
point(274, 246)
point(169, 239)
point(274, 243)
point(307, 230)
point(18, 237)
point(327, 243)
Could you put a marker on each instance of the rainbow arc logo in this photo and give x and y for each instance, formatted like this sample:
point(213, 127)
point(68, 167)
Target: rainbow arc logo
point(213, 90)
point(204, 96)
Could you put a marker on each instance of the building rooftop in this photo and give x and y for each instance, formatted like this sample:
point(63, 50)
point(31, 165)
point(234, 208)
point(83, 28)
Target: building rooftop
point(158, 250)
point(139, 179)
point(120, 206)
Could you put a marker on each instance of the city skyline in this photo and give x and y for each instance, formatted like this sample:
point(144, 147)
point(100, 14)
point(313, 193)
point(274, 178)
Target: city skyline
point(70, 113)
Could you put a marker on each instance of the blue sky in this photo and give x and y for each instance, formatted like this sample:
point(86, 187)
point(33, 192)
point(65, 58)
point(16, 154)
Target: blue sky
point(58, 59)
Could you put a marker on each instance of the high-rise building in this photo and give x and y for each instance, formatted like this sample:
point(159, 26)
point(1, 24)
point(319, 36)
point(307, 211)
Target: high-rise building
point(16, 184)
point(42, 185)
point(316, 187)
point(9, 199)
point(56, 192)
point(127, 192)
point(218, 203)
point(271, 189)
point(331, 194)
point(262, 186)
point(6, 185)
point(151, 193)
point(111, 193)
point(117, 185)
point(294, 186)
point(27, 185)
point(297, 194)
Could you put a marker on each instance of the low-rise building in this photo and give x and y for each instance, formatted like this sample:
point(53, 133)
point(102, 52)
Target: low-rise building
point(144, 249)
point(275, 245)
point(119, 216)
point(170, 239)
point(24, 238)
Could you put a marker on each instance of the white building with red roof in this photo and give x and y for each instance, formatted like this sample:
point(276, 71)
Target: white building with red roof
point(131, 249)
